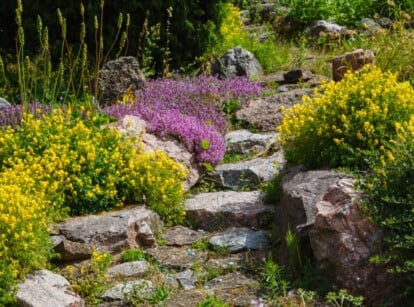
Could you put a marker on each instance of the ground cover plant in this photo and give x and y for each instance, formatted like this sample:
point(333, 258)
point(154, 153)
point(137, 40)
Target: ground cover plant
point(190, 109)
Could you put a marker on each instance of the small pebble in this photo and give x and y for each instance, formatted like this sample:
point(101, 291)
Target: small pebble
point(219, 280)
point(206, 287)
point(122, 216)
point(230, 263)
point(201, 230)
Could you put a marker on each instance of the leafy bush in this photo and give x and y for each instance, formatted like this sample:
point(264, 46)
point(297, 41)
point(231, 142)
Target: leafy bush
point(345, 120)
point(390, 202)
point(88, 170)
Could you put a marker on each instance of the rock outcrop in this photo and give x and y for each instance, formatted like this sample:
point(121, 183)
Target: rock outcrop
point(343, 240)
point(236, 62)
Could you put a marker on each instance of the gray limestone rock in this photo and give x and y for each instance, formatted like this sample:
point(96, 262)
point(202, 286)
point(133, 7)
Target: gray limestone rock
point(237, 62)
point(218, 210)
point(239, 239)
point(112, 231)
point(128, 269)
point(246, 142)
point(46, 289)
point(186, 279)
point(121, 290)
point(249, 174)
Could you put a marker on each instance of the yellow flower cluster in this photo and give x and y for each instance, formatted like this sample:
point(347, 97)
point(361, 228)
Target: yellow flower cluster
point(362, 112)
point(24, 234)
point(231, 28)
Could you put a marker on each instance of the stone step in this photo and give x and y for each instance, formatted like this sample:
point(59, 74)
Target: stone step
point(249, 174)
point(220, 210)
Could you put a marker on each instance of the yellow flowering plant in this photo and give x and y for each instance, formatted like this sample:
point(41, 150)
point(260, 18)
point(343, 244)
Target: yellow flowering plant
point(346, 119)
point(24, 234)
point(87, 169)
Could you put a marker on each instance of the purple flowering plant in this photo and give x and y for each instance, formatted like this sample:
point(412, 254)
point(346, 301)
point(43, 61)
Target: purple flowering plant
point(189, 109)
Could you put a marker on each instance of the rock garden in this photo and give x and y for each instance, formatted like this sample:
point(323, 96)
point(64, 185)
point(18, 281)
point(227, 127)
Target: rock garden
point(269, 172)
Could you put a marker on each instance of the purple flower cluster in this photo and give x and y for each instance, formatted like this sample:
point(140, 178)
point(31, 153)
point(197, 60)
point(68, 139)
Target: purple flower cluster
point(189, 109)
point(12, 115)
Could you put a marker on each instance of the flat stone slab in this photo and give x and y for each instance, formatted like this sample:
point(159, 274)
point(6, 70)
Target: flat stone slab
point(185, 298)
point(46, 289)
point(219, 210)
point(128, 269)
point(180, 235)
point(186, 279)
point(119, 291)
point(115, 230)
point(176, 258)
point(239, 239)
point(246, 142)
point(249, 174)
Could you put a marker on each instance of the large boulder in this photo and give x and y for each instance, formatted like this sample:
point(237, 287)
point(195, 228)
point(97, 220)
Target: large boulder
point(114, 231)
point(118, 77)
point(343, 240)
point(237, 62)
point(46, 289)
point(353, 61)
point(301, 191)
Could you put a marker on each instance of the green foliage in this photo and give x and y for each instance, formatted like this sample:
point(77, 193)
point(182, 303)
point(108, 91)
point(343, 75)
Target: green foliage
point(91, 280)
point(345, 12)
point(390, 203)
point(212, 301)
point(295, 256)
point(342, 298)
point(272, 280)
point(159, 295)
point(173, 32)
point(132, 255)
point(347, 119)
point(272, 190)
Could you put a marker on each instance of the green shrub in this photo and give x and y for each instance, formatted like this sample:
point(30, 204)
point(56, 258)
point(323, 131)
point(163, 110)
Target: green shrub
point(346, 120)
point(390, 203)
point(88, 170)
